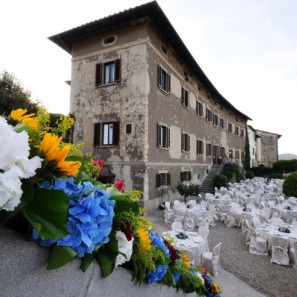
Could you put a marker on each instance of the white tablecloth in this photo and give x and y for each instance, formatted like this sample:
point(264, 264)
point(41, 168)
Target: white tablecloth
point(193, 246)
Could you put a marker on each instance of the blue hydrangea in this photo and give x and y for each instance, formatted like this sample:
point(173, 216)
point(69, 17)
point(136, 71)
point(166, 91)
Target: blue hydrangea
point(158, 242)
point(176, 276)
point(90, 215)
point(157, 274)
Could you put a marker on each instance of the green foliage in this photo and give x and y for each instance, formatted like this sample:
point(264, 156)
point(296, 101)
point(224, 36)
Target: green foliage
point(290, 185)
point(249, 174)
point(60, 256)
point(220, 181)
point(285, 166)
point(276, 175)
point(230, 170)
point(13, 95)
point(247, 157)
point(262, 171)
point(188, 190)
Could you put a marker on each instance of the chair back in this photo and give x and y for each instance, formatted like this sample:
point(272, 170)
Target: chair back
point(167, 206)
point(294, 224)
point(257, 222)
point(176, 202)
point(277, 221)
point(203, 232)
point(217, 250)
point(204, 204)
point(175, 226)
point(191, 202)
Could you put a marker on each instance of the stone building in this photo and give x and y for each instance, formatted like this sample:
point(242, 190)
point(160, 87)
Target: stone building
point(143, 104)
point(263, 147)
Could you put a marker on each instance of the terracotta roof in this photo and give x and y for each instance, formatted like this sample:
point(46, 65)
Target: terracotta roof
point(153, 11)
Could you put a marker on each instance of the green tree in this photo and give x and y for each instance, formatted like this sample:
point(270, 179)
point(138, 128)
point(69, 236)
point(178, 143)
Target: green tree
point(13, 95)
point(247, 156)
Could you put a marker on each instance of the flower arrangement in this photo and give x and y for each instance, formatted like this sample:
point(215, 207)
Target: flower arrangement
point(54, 191)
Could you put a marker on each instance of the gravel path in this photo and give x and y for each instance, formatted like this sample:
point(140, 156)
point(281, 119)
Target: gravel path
point(257, 271)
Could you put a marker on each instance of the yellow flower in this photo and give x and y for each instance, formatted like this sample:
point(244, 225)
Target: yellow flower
point(186, 260)
point(19, 115)
point(50, 147)
point(145, 241)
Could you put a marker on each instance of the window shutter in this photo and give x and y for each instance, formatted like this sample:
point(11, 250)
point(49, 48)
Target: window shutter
point(159, 69)
point(182, 96)
point(182, 142)
point(117, 70)
point(157, 180)
point(116, 133)
point(168, 179)
point(158, 135)
point(97, 134)
point(168, 137)
point(190, 175)
point(98, 74)
point(169, 83)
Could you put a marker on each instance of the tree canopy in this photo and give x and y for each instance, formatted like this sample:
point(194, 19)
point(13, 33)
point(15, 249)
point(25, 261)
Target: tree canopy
point(13, 95)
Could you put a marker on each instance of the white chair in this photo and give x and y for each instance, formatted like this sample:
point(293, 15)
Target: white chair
point(258, 245)
point(244, 226)
point(211, 260)
point(204, 204)
point(191, 202)
point(189, 224)
point(168, 213)
point(176, 202)
point(279, 252)
point(256, 222)
point(203, 231)
point(176, 226)
point(294, 224)
point(293, 255)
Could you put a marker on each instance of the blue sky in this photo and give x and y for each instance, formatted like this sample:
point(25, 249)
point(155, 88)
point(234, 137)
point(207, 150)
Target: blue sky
point(247, 48)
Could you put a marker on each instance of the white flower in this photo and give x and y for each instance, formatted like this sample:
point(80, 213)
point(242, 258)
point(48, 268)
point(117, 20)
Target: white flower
point(14, 165)
point(125, 248)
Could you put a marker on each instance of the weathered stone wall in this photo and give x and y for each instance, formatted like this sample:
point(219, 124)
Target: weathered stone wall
point(23, 274)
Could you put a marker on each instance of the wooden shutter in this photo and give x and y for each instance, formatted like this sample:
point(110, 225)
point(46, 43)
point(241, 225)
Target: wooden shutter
point(98, 74)
point(116, 133)
point(168, 137)
point(182, 142)
point(97, 127)
point(117, 77)
point(158, 135)
point(157, 180)
point(168, 179)
point(159, 69)
point(168, 83)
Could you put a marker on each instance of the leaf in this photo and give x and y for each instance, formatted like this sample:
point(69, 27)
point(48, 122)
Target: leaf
point(47, 213)
point(23, 127)
point(28, 195)
point(60, 256)
point(87, 261)
point(115, 194)
point(121, 206)
point(106, 256)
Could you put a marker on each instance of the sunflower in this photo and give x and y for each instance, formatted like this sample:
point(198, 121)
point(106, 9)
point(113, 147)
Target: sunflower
point(144, 238)
point(19, 115)
point(186, 260)
point(49, 148)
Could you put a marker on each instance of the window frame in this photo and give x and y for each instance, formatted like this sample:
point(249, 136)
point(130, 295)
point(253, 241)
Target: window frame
point(208, 149)
point(199, 108)
point(199, 147)
point(209, 115)
point(184, 97)
point(162, 179)
point(101, 73)
point(230, 125)
point(163, 80)
point(215, 118)
point(185, 176)
point(222, 123)
point(100, 134)
point(163, 136)
point(236, 131)
point(185, 142)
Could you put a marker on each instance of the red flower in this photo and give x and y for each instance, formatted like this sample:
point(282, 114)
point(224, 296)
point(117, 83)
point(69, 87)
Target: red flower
point(120, 185)
point(128, 231)
point(173, 254)
point(99, 163)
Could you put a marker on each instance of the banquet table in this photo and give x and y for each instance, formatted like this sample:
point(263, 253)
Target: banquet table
point(194, 245)
point(269, 229)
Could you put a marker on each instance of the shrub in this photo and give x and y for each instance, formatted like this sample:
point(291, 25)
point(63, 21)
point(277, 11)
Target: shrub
point(231, 169)
point(285, 166)
point(249, 174)
point(188, 190)
point(290, 185)
point(220, 181)
point(262, 171)
point(276, 175)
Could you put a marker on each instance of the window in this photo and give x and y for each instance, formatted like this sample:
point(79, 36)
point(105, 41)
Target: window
point(163, 79)
point(242, 132)
point(163, 136)
point(185, 176)
point(162, 179)
point(215, 119)
point(108, 41)
point(199, 147)
point(222, 152)
point(108, 73)
point(106, 134)
point(185, 142)
point(222, 123)
point(208, 149)
point(209, 115)
point(128, 128)
point(236, 154)
point(184, 97)
point(199, 108)
point(230, 128)
point(236, 130)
